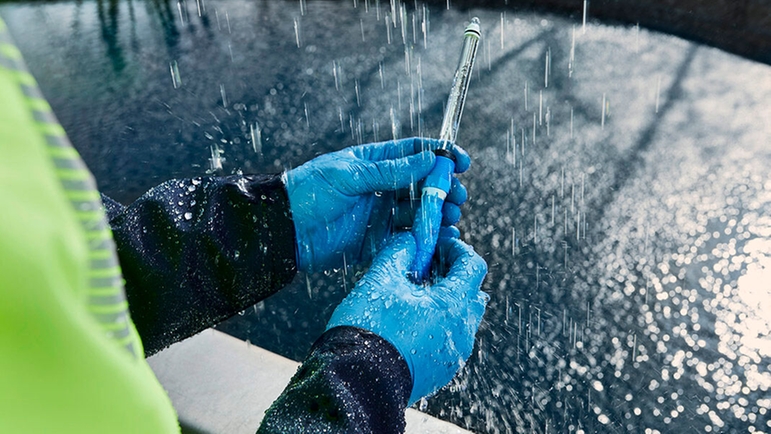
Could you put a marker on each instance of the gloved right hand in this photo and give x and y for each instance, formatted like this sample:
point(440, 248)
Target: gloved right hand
point(433, 327)
point(345, 204)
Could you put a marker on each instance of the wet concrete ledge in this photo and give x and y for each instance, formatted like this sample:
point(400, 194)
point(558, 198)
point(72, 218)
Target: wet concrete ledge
point(220, 384)
point(741, 27)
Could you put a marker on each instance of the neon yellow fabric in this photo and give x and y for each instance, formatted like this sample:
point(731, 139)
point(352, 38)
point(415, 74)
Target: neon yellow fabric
point(60, 371)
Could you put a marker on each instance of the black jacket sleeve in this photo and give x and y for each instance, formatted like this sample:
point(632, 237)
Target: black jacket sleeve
point(196, 251)
point(353, 381)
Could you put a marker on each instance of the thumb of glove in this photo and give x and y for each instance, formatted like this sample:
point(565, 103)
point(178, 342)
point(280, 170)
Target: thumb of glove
point(392, 174)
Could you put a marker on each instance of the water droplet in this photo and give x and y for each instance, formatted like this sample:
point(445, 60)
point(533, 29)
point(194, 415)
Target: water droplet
point(224, 96)
point(188, 215)
point(176, 80)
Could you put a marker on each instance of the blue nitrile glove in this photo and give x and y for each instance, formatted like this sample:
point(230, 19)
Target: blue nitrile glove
point(345, 204)
point(433, 327)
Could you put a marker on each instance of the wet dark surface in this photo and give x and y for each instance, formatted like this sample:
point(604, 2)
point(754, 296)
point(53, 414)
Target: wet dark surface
point(622, 206)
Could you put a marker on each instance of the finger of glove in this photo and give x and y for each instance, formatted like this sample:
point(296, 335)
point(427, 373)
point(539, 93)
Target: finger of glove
point(466, 269)
point(398, 253)
point(450, 214)
point(393, 149)
point(390, 174)
point(449, 232)
point(462, 159)
point(458, 193)
point(404, 147)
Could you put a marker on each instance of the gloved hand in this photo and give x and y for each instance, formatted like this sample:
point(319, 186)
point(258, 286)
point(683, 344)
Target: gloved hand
point(348, 202)
point(433, 327)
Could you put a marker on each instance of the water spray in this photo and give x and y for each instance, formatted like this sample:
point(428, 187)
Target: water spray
point(437, 183)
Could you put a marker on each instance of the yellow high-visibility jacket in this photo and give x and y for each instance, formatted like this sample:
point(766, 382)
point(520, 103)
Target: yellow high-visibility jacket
point(70, 358)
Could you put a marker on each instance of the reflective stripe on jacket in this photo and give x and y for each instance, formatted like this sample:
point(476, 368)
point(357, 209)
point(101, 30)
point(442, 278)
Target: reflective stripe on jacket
point(70, 357)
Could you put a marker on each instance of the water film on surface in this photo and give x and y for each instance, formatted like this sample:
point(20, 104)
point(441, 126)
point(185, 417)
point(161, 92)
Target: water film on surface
point(619, 189)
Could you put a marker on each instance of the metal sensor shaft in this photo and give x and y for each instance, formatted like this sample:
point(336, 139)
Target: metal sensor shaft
point(437, 184)
point(457, 98)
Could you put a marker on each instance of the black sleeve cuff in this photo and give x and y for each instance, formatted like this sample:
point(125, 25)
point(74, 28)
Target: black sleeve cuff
point(195, 252)
point(353, 381)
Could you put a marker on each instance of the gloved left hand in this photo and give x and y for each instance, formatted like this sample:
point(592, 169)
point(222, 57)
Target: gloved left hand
point(345, 204)
point(432, 327)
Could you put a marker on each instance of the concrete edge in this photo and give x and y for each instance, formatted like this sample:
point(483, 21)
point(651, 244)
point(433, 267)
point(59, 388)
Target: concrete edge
point(220, 384)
